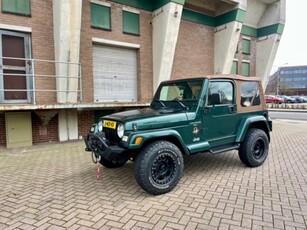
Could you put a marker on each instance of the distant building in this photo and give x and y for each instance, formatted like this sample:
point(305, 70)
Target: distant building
point(288, 80)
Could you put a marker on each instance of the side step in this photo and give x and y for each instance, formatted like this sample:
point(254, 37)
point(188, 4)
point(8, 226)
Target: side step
point(225, 148)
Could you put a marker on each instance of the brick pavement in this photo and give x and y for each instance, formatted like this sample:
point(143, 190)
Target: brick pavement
point(54, 186)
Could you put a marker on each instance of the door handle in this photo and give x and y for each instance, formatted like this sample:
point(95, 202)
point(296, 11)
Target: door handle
point(231, 109)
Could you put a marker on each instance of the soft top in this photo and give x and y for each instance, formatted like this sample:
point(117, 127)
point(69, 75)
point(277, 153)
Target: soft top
point(219, 76)
point(234, 77)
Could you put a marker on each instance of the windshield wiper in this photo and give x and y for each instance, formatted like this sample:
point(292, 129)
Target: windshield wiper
point(183, 106)
point(161, 103)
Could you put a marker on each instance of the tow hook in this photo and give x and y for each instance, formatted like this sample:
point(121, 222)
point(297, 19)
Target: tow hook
point(95, 158)
point(97, 161)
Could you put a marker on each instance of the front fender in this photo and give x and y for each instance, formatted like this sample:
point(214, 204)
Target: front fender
point(161, 134)
point(248, 122)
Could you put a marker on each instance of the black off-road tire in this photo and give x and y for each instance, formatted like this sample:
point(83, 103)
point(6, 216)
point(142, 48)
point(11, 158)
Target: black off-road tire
point(255, 147)
point(110, 164)
point(158, 167)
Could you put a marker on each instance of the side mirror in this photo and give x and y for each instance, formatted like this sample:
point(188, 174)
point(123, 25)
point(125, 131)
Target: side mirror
point(216, 98)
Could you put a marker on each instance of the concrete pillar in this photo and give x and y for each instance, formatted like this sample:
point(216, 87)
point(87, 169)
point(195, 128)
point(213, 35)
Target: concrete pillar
point(226, 39)
point(73, 70)
point(267, 45)
point(266, 52)
point(67, 29)
point(68, 125)
point(166, 23)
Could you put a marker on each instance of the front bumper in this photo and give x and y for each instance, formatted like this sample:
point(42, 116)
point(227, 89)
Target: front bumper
point(98, 144)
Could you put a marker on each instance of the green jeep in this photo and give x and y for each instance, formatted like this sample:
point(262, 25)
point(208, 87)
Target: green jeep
point(187, 116)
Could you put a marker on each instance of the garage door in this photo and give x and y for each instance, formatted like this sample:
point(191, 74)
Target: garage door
point(115, 74)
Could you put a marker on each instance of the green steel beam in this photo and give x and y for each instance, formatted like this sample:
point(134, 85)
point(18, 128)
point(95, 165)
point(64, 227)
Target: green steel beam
point(198, 18)
point(249, 31)
point(272, 29)
point(234, 15)
point(149, 5)
point(263, 31)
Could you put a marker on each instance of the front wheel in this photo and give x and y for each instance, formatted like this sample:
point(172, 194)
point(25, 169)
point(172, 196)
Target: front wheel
point(255, 147)
point(158, 167)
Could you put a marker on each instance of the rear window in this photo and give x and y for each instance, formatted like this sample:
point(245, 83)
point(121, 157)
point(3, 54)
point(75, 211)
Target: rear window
point(250, 94)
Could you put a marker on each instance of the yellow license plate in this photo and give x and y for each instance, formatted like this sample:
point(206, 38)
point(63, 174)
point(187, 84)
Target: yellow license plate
point(109, 124)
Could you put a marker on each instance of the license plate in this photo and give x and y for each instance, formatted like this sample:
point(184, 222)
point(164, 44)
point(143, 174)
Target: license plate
point(109, 124)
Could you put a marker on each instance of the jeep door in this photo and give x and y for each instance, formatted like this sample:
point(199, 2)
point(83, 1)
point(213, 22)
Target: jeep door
point(219, 114)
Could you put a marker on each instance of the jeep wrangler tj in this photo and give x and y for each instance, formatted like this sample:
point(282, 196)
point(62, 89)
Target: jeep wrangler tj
point(187, 116)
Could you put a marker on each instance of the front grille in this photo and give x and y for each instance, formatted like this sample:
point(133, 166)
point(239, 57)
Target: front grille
point(111, 135)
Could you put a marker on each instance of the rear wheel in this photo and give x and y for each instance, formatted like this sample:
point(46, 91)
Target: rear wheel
point(158, 167)
point(254, 149)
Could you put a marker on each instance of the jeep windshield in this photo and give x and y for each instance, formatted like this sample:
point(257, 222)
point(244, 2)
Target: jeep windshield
point(178, 95)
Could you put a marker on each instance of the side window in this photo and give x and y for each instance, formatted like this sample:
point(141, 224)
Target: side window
point(131, 23)
point(100, 16)
point(246, 46)
point(16, 7)
point(220, 93)
point(245, 69)
point(249, 94)
point(234, 67)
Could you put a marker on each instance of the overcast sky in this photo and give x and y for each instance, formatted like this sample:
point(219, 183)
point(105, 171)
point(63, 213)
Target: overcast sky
point(293, 45)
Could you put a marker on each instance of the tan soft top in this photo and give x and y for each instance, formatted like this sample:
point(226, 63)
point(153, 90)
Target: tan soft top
point(220, 76)
point(238, 82)
point(233, 76)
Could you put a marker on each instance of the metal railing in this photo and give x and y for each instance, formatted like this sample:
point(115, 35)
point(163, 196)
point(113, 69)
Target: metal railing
point(42, 78)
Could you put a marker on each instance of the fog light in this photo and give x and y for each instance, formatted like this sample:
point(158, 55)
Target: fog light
point(138, 140)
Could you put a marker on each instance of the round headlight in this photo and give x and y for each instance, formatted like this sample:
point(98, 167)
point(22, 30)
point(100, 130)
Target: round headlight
point(120, 130)
point(100, 126)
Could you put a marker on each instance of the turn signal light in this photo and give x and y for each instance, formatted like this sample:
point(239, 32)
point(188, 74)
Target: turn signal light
point(138, 140)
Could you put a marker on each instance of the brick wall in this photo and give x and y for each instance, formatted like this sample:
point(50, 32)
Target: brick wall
point(194, 55)
point(41, 23)
point(44, 133)
point(40, 133)
point(2, 130)
point(144, 53)
point(251, 57)
point(85, 120)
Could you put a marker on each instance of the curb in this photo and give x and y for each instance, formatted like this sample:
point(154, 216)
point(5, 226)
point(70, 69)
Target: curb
point(289, 110)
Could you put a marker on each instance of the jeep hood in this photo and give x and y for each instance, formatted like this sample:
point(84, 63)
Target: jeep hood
point(149, 118)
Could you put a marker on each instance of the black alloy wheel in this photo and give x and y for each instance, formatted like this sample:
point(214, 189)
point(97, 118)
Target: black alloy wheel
point(158, 167)
point(255, 147)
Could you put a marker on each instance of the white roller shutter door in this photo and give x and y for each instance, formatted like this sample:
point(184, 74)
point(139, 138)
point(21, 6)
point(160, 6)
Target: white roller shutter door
point(115, 74)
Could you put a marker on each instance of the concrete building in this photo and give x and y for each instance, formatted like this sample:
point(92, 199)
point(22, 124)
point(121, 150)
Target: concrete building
point(63, 63)
point(288, 80)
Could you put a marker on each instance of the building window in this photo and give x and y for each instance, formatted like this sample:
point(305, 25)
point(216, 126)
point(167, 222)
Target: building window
point(15, 71)
point(100, 16)
point(234, 67)
point(131, 23)
point(16, 7)
point(246, 46)
point(245, 69)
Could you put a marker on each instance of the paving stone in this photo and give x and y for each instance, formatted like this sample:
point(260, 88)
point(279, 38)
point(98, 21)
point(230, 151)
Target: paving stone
point(54, 186)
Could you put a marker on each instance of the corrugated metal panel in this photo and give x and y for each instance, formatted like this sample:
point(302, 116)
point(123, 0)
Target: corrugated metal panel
point(115, 74)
